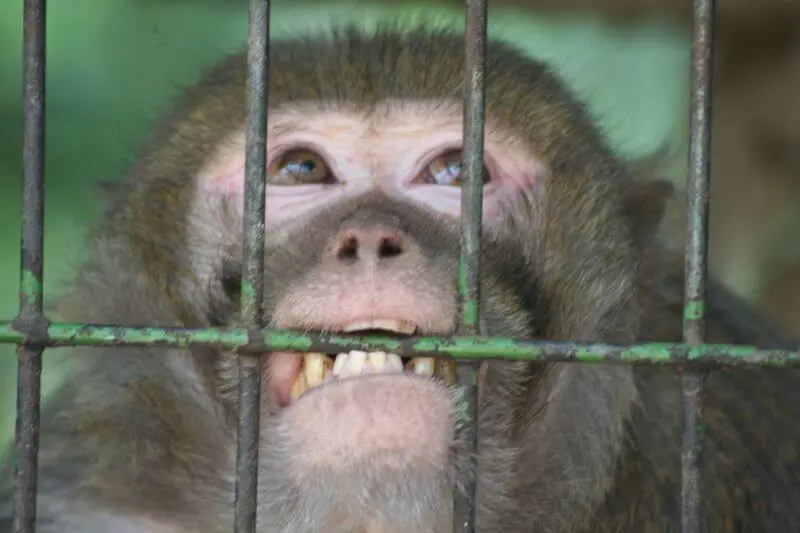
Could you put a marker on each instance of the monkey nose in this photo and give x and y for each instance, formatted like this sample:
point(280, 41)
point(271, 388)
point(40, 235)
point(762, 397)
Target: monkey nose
point(368, 244)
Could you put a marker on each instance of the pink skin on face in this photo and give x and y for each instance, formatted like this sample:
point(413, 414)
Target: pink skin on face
point(389, 151)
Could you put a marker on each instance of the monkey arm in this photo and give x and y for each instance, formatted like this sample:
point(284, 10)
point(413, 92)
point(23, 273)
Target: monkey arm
point(157, 393)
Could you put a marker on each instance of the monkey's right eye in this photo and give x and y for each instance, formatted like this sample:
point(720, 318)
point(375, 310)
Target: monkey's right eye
point(300, 166)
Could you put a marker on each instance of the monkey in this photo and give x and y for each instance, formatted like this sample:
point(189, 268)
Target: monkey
point(362, 235)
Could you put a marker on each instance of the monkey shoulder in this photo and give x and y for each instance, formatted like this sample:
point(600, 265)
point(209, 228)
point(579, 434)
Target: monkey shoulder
point(750, 462)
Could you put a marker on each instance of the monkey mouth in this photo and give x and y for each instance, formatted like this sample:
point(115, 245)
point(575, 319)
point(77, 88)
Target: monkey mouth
point(317, 368)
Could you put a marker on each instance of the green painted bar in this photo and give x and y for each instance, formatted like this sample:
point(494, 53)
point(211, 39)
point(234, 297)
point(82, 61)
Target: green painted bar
point(466, 348)
point(30, 289)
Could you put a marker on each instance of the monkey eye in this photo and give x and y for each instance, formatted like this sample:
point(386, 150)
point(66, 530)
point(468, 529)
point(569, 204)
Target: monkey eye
point(445, 169)
point(300, 166)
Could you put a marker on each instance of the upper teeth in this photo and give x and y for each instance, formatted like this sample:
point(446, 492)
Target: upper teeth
point(319, 367)
point(355, 363)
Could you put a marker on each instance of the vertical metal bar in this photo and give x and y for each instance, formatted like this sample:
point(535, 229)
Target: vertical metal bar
point(250, 366)
point(696, 259)
point(31, 265)
point(472, 166)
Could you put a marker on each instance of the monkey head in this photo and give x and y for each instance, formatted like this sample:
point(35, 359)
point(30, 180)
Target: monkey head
point(362, 235)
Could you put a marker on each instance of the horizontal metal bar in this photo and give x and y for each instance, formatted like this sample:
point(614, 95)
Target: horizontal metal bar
point(474, 348)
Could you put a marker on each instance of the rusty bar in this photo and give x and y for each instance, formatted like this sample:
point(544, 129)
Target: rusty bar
point(472, 166)
point(696, 260)
point(250, 365)
point(30, 317)
point(785, 354)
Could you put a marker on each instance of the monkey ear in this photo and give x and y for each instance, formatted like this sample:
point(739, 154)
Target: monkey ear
point(224, 306)
point(231, 280)
point(645, 204)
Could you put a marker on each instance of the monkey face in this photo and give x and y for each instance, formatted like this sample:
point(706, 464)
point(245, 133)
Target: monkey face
point(363, 235)
point(363, 224)
point(363, 228)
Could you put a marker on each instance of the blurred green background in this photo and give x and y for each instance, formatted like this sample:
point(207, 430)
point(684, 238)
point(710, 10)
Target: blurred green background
point(114, 64)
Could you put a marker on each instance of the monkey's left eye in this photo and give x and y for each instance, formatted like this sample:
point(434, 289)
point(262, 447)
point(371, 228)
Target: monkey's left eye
point(300, 166)
point(446, 170)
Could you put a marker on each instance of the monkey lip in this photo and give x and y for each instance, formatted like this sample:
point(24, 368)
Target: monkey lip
point(294, 373)
point(391, 325)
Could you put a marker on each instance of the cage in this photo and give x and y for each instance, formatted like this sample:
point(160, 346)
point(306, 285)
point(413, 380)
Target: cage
point(33, 332)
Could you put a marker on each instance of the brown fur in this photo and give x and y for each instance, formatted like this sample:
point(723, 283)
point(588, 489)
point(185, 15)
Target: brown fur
point(564, 447)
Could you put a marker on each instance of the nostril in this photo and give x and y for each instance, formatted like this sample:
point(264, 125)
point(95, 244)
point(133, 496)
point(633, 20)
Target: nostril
point(389, 246)
point(348, 247)
point(356, 244)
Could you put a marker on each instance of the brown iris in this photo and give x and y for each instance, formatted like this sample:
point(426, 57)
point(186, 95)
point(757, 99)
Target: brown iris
point(300, 166)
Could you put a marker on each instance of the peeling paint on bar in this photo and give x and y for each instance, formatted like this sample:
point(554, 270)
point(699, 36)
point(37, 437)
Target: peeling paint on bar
point(693, 311)
point(468, 348)
point(30, 288)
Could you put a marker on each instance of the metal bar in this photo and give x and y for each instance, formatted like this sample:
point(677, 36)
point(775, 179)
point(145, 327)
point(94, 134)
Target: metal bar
point(457, 347)
point(696, 261)
point(250, 365)
point(247, 445)
point(472, 166)
point(30, 317)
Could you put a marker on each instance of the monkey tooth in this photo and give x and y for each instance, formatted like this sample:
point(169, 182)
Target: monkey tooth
point(446, 369)
point(339, 364)
point(424, 366)
point(429, 366)
point(319, 367)
point(356, 362)
point(316, 367)
point(300, 386)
